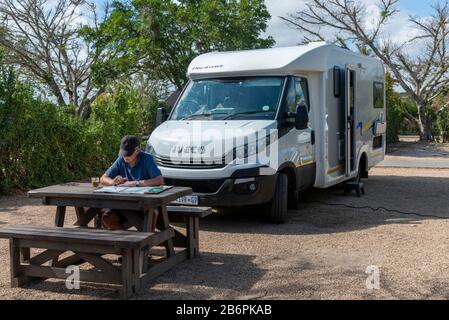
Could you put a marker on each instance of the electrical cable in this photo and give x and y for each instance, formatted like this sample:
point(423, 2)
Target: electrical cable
point(379, 209)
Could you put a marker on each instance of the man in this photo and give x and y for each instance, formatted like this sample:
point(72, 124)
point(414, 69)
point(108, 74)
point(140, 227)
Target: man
point(133, 168)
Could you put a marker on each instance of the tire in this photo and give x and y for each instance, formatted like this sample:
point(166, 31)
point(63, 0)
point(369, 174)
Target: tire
point(278, 206)
point(361, 172)
point(293, 199)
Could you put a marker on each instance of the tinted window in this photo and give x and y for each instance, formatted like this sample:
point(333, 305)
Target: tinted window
point(297, 94)
point(378, 95)
point(302, 92)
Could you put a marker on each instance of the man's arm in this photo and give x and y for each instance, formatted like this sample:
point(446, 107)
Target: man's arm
point(158, 181)
point(108, 181)
point(112, 176)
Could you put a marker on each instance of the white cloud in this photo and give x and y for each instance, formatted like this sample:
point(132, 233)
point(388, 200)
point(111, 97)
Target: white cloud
point(399, 28)
point(278, 28)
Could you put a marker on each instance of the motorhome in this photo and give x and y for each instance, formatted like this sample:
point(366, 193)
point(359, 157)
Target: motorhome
point(316, 112)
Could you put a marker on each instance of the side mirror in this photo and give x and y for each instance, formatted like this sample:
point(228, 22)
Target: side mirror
point(302, 117)
point(161, 116)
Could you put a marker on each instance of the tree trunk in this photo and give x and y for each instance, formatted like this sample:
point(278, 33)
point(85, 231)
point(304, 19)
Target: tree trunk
point(84, 111)
point(424, 124)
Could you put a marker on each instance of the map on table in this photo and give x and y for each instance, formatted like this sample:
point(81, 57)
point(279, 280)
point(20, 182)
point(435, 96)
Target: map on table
point(133, 190)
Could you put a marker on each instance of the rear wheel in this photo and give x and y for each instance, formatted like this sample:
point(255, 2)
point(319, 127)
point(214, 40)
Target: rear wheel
point(361, 174)
point(278, 206)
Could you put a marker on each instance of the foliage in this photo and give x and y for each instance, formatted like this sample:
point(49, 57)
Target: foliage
point(42, 143)
point(394, 116)
point(162, 37)
point(440, 120)
point(42, 37)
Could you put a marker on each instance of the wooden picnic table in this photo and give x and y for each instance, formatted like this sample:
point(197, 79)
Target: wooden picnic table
point(81, 195)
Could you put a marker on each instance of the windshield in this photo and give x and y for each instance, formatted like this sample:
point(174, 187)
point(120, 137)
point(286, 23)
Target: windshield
point(230, 99)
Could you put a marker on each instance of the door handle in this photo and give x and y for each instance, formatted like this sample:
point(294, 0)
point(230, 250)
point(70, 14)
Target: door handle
point(312, 137)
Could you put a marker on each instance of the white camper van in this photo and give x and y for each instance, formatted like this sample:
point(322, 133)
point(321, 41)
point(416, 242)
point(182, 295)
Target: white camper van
point(317, 111)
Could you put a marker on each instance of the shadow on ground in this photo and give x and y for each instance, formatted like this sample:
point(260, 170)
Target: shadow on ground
point(214, 271)
point(328, 211)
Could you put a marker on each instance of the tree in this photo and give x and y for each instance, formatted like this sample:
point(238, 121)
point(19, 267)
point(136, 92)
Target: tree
point(161, 37)
point(394, 110)
point(422, 73)
point(42, 37)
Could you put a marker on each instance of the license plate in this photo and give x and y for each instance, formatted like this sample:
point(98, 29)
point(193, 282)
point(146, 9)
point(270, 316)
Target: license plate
point(188, 200)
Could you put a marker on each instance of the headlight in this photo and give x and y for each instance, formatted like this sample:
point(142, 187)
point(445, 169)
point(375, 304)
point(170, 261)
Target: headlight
point(249, 150)
point(149, 149)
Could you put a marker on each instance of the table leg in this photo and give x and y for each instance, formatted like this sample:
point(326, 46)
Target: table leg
point(59, 222)
point(79, 216)
point(165, 224)
point(60, 217)
point(84, 217)
point(97, 221)
point(148, 226)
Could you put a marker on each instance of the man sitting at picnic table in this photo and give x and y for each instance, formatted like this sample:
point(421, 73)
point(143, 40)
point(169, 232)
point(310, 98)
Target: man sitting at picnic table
point(133, 168)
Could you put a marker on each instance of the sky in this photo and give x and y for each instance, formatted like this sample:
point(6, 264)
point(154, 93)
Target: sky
point(286, 36)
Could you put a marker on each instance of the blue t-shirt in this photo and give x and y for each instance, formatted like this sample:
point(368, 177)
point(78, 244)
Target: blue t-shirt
point(145, 168)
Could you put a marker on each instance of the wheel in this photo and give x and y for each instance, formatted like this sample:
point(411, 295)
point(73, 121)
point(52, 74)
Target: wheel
point(361, 174)
point(278, 206)
point(358, 178)
point(293, 199)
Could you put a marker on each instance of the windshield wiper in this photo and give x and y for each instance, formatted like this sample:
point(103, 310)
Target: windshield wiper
point(192, 116)
point(232, 116)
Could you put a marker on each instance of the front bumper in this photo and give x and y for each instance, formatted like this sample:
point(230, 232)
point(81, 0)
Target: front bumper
point(232, 192)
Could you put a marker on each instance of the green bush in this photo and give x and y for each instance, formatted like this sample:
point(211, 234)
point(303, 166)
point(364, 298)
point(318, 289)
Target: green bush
point(42, 143)
point(440, 125)
point(394, 115)
point(34, 141)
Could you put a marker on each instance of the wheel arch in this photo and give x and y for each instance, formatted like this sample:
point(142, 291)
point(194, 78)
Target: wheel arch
point(363, 165)
point(290, 170)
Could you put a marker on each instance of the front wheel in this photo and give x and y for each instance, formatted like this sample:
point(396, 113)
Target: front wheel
point(278, 206)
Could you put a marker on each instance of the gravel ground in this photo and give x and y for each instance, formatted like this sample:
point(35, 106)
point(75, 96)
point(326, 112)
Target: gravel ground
point(410, 154)
point(322, 253)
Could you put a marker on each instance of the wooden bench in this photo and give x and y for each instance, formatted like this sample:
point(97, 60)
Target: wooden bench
point(88, 245)
point(191, 217)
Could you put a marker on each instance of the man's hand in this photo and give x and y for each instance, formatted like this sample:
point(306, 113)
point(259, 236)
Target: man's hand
point(119, 180)
point(128, 184)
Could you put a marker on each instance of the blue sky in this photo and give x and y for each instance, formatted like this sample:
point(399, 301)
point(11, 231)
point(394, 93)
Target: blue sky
point(418, 6)
point(286, 36)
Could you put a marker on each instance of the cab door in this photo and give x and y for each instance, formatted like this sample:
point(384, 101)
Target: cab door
point(299, 143)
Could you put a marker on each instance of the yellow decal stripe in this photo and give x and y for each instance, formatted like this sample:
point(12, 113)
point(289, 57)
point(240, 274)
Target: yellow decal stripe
point(305, 163)
point(335, 170)
point(367, 126)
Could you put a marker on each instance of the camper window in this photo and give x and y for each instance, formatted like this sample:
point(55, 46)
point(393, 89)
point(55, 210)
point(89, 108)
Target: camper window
point(337, 84)
point(378, 95)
